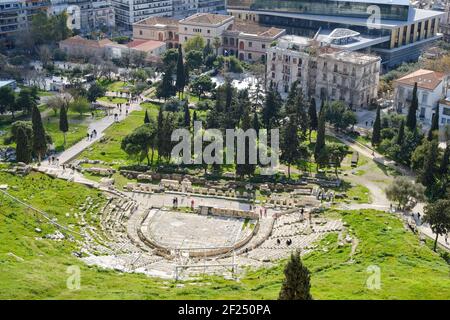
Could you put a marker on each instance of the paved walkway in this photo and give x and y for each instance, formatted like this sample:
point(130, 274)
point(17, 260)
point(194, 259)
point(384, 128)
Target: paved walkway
point(100, 126)
point(379, 194)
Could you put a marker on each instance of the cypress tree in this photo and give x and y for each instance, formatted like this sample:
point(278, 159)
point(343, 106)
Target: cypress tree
point(312, 113)
point(443, 168)
point(63, 122)
point(160, 133)
point(434, 124)
point(194, 118)
point(146, 118)
point(23, 146)
point(411, 119)
point(296, 285)
point(187, 115)
point(255, 123)
point(376, 134)
point(181, 75)
point(401, 133)
point(320, 140)
point(39, 138)
point(427, 176)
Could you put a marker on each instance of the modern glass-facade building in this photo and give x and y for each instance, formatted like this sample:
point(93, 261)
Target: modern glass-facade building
point(391, 28)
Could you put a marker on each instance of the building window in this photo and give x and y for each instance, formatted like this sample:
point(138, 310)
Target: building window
point(250, 44)
point(250, 56)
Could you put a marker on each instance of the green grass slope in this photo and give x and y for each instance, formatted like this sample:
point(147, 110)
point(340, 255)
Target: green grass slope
point(36, 268)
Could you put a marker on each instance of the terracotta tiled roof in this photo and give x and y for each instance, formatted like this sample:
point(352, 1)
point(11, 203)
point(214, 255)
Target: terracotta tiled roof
point(426, 79)
point(158, 20)
point(256, 29)
point(146, 45)
point(207, 18)
point(79, 41)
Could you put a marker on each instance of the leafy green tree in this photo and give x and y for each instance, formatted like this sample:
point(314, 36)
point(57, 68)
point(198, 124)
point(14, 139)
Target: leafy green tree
point(246, 168)
point(402, 190)
point(166, 89)
point(201, 85)
point(63, 122)
point(207, 51)
point(437, 214)
point(23, 146)
point(170, 58)
point(194, 59)
point(27, 99)
point(271, 109)
point(376, 134)
point(39, 136)
point(434, 129)
point(80, 105)
point(181, 75)
point(217, 43)
point(427, 174)
point(22, 134)
point(339, 115)
point(443, 168)
point(411, 119)
point(7, 99)
point(336, 153)
point(196, 43)
point(139, 142)
point(320, 140)
point(291, 144)
point(296, 285)
point(312, 114)
point(95, 91)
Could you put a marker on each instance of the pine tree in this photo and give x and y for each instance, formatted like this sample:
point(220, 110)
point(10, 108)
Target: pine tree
point(39, 138)
point(376, 134)
point(411, 119)
point(434, 125)
point(187, 115)
point(296, 285)
point(63, 122)
point(23, 146)
point(313, 121)
point(401, 133)
point(181, 75)
point(146, 118)
point(320, 140)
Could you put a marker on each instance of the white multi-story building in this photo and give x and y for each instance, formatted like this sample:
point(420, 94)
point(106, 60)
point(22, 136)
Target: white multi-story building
point(323, 72)
point(209, 26)
point(431, 88)
point(16, 15)
point(129, 12)
point(185, 8)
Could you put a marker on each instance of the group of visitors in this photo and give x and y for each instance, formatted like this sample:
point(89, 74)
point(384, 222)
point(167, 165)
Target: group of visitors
point(92, 135)
point(288, 242)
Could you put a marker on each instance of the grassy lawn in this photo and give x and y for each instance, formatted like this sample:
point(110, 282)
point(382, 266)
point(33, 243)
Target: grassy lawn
point(108, 149)
point(33, 267)
point(355, 193)
point(113, 100)
point(78, 126)
point(117, 86)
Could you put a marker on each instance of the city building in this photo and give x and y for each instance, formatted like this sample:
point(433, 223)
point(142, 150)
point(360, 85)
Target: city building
point(209, 26)
point(16, 15)
point(323, 72)
point(392, 29)
point(431, 88)
point(157, 29)
point(88, 15)
point(247, 41)
point(129, 12)
point(186, 8)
